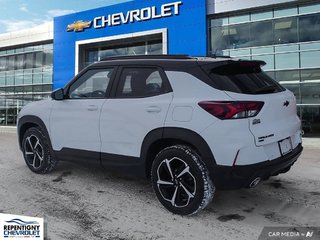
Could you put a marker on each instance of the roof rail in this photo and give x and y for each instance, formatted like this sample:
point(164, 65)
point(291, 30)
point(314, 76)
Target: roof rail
point(219, 56)
point(177, 56)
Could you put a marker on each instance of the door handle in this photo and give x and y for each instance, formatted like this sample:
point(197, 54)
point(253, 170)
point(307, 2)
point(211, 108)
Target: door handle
point(92, 107)
point(153, 109)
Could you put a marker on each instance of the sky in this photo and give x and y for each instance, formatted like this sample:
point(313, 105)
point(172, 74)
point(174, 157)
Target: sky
point(21, 14)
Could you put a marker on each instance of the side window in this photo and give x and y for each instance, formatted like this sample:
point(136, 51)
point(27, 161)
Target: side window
point(140, 82)
point(93, 84)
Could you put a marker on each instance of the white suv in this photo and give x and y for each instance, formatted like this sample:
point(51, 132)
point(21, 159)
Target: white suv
point(190, 124)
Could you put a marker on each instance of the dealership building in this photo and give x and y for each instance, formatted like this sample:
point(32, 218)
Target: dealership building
point(283, 33)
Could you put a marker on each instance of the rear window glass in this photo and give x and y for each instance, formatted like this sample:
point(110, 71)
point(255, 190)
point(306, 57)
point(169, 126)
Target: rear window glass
point(242, 77)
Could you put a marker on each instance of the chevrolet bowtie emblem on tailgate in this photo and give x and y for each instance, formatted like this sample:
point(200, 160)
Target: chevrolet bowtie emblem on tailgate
point(286, 103)
point(78, 26)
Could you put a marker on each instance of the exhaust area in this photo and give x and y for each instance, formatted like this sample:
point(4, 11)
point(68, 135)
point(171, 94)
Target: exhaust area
point(255, 182)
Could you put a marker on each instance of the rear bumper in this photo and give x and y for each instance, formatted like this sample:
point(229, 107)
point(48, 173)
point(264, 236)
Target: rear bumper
point(236, 177)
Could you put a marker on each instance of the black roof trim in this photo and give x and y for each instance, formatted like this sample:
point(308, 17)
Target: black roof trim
point(218, 56)
point(156, 57)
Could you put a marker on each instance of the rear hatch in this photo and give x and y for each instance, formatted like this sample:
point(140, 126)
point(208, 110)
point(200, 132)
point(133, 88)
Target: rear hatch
point(245, 81)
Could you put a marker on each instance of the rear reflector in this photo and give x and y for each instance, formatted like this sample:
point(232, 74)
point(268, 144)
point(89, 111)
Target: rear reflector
point(232, 110)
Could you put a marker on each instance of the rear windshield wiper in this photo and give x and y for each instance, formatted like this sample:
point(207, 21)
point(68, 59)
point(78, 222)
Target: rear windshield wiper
point(267, 89)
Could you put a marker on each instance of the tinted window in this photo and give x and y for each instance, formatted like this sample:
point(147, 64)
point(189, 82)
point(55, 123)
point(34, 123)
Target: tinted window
point(38, 59)
point(219, 39)
point(239, 35)
point(140, 82)
point(242, 77)
point(92, 84)
point(310, 93)
point(3, 63)
point(11, 61)
point(285, 30)
point(29, 60)
point(20, 61)
point(287, 61)
point(309, 25)
point(262, 33)
point(287, 75)
point(48, 58)
point(310, 59)
point(310, 74)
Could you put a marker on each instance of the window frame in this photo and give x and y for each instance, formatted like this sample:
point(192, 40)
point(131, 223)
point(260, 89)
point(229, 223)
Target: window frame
point(117, 88)
point(66, 89)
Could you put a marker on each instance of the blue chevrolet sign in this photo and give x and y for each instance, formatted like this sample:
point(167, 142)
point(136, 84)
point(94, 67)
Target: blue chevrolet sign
point(184, 21)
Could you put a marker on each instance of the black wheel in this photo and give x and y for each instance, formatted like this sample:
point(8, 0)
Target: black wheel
point(181, 181)
point(36, 151)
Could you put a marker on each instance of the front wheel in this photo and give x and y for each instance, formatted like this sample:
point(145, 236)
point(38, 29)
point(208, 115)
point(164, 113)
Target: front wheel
point(181, 180)
point(36, 151)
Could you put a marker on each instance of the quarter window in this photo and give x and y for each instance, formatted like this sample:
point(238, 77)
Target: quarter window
point(93, 84)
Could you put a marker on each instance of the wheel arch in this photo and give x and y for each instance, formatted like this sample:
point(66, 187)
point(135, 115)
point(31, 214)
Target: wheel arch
point(160, 138)
point(27, 122)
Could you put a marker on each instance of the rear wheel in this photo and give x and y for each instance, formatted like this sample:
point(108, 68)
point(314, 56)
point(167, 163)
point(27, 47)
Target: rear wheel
point(36, 151)
point(181, 181)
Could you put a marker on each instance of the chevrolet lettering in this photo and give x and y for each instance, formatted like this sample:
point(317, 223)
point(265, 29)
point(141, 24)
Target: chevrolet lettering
point(138, 15)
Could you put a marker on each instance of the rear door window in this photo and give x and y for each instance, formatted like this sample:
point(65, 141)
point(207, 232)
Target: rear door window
point(140, 82)
point(242, 77)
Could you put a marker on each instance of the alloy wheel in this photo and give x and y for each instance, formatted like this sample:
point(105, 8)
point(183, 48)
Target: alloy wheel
point(33, 151)
point(175, 182)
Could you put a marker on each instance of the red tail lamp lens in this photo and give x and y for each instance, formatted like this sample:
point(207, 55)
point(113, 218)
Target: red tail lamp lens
point(232, 110)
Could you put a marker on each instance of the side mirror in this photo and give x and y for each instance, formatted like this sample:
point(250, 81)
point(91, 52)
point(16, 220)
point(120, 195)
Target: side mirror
point(58, 94)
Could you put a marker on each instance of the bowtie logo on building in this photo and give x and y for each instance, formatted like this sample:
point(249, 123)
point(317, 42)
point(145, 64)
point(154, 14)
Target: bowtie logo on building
point(78, 26)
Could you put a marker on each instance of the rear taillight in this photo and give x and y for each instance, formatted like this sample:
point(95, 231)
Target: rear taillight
point(232, 110)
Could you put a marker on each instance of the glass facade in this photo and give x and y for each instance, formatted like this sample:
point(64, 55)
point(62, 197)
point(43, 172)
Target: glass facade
point(288, 40)
point(25, 76)
point(98, 51)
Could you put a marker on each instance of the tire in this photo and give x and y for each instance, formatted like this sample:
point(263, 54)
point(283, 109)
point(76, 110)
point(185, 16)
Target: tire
point(37, 151)
point(188, 188)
